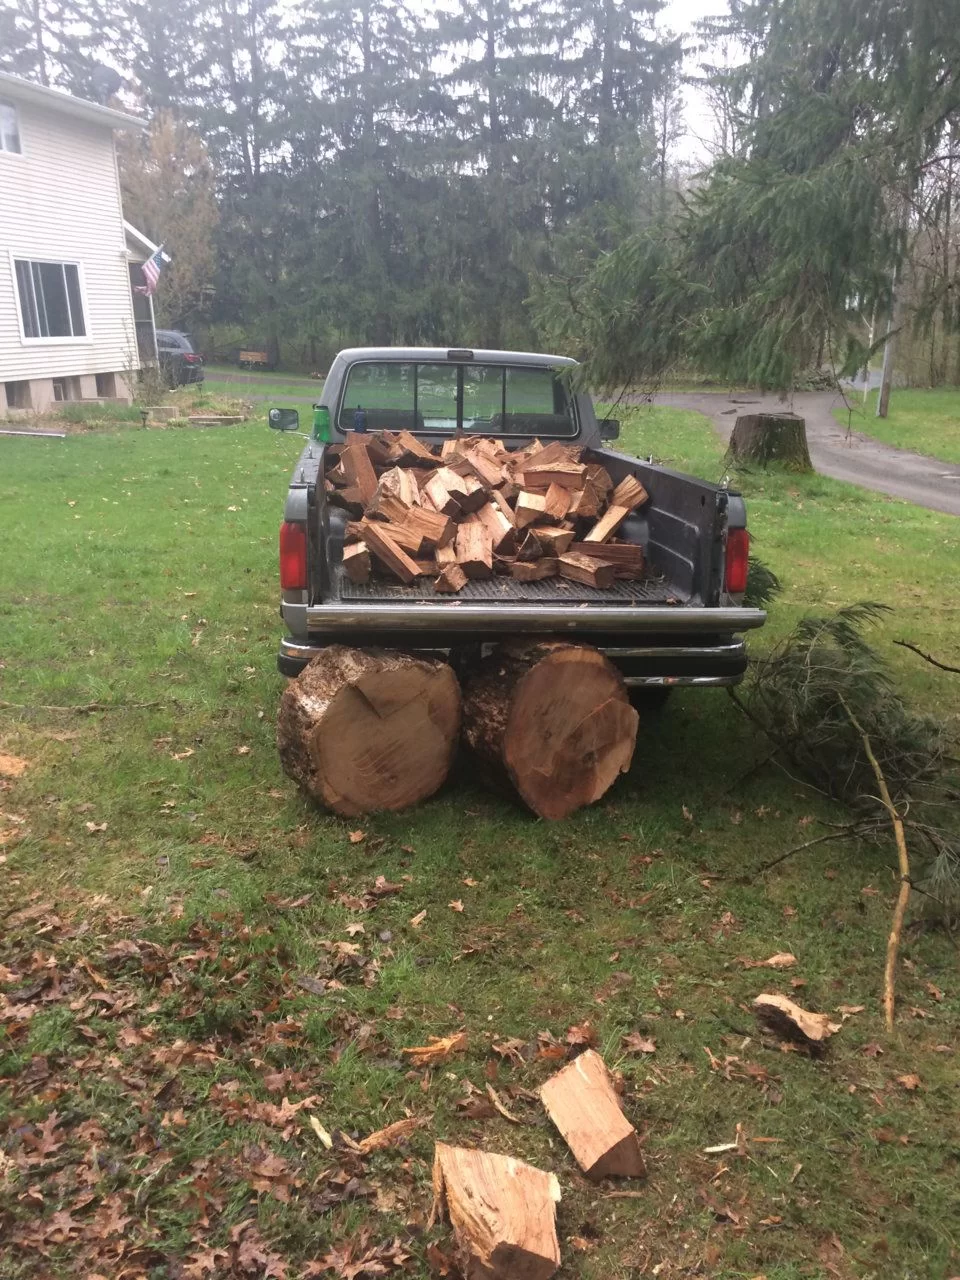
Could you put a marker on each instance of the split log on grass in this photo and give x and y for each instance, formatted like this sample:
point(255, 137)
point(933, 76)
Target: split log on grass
point(791, 1022)
point(582, 1102)
point(771, 437)
point(555, 718)
point(364, 729)
point(503, 1213)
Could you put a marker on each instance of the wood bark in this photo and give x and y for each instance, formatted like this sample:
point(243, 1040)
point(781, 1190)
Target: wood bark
point(503, 1213)
point(553, 717)
point(771, 437)
point(789, 1020)
point(583, 1104)
point(363, 730)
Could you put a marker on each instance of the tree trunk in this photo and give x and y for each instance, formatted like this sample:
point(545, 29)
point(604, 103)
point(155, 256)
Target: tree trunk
point(771, 437)
point(555, 718)
point(368, 729)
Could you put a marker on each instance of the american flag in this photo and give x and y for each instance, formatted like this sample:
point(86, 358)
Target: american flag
point(151, 273)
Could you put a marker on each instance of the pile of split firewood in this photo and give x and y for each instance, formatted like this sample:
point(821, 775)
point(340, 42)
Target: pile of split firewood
point(473, 508)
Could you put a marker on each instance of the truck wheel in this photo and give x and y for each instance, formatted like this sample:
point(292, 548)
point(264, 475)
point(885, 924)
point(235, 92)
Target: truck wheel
point(650, 698)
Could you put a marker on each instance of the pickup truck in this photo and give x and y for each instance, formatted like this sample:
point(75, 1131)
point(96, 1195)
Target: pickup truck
point(680, 626)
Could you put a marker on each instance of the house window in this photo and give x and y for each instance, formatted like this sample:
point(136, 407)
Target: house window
point(50, 303)
point(9, 128)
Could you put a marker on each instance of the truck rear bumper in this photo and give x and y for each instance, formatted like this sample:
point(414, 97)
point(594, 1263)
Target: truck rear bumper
point(499, 619)
point(720, 660)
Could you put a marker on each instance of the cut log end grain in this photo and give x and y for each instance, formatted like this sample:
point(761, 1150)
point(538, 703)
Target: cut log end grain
point(555, 719)
point(503, 1213)
point(364, 730)
point(582, 1102)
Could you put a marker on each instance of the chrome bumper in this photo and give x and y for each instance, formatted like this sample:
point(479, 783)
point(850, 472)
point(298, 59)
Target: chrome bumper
point(514, 619)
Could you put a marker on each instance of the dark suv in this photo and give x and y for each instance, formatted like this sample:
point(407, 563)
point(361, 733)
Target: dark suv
point(178, 360)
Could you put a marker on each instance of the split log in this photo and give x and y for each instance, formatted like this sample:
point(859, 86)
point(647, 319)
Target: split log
point(555, 719)
point(608, 524)
point(763, 438)
point(503, 1213)
point(629, 493)
point(580, 568)
point(355, 461)
point(554, 541)
point(450, 580)
point(791, 1022)
point(389, 552)
point(529, 507)
point(534, 570)
point(474, 550)
point(356, 562)
point(627, 558)
point(583, 1104)
point(363, 730)
point(557, 502)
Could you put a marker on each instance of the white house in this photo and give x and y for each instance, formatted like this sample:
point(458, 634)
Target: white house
point(67, 324)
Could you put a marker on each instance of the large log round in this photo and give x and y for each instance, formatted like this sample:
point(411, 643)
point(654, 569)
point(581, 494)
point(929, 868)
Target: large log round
point(763, 438)
point(368, 729)
point(555, 718)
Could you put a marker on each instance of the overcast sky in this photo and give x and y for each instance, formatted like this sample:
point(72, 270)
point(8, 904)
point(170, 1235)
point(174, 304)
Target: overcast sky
point(680, 16)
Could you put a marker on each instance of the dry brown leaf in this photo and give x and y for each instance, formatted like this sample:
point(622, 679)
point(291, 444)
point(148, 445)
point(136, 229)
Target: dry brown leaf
point(848, 1010)
point(634, 1042)
point(393, 1134)
point(470, 882)
point(910, 1081)
point(499, 1105)
point(95, 828)
point(439, 1049)
point(871, 1050)
point(417, 920)
point(356, 837)
point(456, 905)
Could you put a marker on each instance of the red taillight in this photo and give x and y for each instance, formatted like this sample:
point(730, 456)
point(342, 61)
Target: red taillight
point(293, 556)
point(189, 358)
point(738, 552)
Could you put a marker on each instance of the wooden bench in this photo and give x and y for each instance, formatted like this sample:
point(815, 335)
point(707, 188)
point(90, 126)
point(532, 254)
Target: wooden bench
point(253, 360)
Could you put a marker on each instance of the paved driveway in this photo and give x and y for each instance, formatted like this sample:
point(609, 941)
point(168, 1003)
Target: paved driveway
point(835, 452)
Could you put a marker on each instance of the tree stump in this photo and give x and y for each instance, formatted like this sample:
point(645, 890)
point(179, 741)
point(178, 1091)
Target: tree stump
point(771, 437)
point(555, 718)
point(366, 729)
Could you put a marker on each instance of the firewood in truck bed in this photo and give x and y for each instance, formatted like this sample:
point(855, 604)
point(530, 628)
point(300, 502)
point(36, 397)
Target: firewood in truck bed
point(472, 509)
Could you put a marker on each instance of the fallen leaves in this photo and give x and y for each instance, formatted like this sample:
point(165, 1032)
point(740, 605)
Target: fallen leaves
point(456, 905)
point(95, 828)
point(635, 1042)
point(911, 1082)
point(356, 837)
point(439, 1049)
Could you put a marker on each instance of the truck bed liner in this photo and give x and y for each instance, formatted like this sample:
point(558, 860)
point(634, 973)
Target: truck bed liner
point(549, 591)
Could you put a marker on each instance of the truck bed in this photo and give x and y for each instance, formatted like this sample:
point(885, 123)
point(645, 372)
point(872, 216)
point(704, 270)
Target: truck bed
point(549, 591)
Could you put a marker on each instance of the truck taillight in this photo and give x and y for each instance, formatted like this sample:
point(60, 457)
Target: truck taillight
point(293, 556)
point(735, 569)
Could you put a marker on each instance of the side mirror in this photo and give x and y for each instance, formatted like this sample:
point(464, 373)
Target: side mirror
point(609, 429)
point(284, 420)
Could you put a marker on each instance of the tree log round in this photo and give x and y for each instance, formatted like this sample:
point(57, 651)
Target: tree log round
point(369, 729)
point(771, 437)
point(553, 716)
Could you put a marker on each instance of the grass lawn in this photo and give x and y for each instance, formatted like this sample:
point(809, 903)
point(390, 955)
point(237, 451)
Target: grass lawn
point(924, 421)
point(194, 963)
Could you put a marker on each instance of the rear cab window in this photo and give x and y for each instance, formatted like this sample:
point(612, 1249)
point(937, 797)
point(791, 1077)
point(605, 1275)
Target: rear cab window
point(485, 399)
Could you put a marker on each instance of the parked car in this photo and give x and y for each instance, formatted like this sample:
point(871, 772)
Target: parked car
point(683, 625)
point(179, 362)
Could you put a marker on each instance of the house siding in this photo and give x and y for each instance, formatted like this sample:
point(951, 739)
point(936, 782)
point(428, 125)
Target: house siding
point(60, 201)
